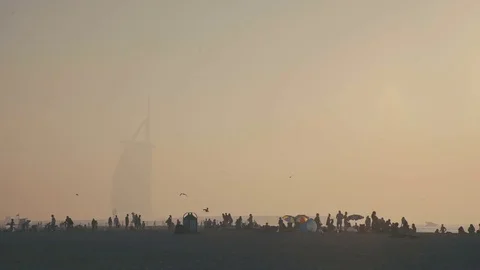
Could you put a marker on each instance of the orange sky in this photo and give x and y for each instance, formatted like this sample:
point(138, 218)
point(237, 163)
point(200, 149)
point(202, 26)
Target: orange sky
point(369, 104)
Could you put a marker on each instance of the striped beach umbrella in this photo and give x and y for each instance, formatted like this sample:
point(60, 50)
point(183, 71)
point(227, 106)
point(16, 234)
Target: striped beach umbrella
point(355, 217)
point(301, 218)
point(289, 219)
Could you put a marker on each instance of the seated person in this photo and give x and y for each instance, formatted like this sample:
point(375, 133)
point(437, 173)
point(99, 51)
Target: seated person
point(179, 227)
point(471, 229)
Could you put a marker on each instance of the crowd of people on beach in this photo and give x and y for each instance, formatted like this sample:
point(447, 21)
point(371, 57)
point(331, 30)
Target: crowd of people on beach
point(136, 222)
point(342, 222)
point(228, 222)
point(68, 224)
point(461, 230)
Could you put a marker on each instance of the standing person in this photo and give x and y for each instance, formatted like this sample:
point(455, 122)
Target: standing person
point(375, 225)
point(94, 224)
point(127, 221)
point(405, 224)
point(368, 223)
point(281, 225)
point(339, 220)
point(319, 223)
point(169, 222)
point(250, 221)
point(116, 222)
point(11, 224)
point(443, 229)
point(53, 222)
point(110, 222)
point(328, 221)
point(346, 224)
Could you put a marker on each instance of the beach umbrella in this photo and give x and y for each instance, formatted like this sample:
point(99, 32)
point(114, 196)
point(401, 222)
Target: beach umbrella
point(289, 219)
point(301, 218)
point(355, 217)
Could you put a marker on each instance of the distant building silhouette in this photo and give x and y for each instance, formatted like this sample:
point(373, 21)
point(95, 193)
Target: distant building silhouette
point(131, 180)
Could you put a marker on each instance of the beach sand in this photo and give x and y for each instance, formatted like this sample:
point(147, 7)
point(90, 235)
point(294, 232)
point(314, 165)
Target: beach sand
point(235, 250)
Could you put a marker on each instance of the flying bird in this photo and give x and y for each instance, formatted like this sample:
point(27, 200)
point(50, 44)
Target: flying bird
point(76, 194)
point(183, 194)
point(291, 176)
point(206, 210)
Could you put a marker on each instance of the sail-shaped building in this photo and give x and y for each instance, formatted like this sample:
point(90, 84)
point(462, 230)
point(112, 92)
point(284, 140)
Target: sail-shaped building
point(131, 190)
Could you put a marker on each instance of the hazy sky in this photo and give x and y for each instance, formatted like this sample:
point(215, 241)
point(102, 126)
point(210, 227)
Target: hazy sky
point(370, 104)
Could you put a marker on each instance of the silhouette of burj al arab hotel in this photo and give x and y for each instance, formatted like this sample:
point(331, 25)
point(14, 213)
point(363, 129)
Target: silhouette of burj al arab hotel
point(131, 190)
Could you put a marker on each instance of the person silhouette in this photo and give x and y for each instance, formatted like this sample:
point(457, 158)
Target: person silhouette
point(116, 221)
point(53, 222)
point(11, 224)
point(375, 225)
point(471, 229)
point(318, 221)
point(127, 221)
point(346, 224)
point(443, 229)
point(368, 223)
point(281, 225)
point(339, 220)
point(250, 221)
point(94, 224)
point(69, 222)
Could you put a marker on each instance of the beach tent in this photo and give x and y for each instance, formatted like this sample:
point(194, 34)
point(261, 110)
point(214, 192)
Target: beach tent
point(303, 227)
point(311, 225)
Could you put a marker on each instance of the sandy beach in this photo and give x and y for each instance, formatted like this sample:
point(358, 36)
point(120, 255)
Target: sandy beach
point(235, 250)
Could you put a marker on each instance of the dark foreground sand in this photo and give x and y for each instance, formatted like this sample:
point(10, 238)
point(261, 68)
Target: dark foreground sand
point(234, 250)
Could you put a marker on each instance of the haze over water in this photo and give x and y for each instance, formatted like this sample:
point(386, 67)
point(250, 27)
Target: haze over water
point(370, 105)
